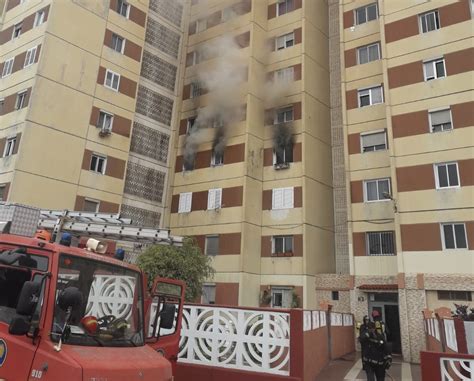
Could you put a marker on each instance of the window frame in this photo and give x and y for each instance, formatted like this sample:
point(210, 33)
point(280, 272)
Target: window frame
point(201, 25)
point(286, 162)
point(20, 100)
point(2, 105)
point(17, 29)
point(443, 238)
point(383, 199)
point(212, 203)
point(120, 5)
point(285, 41)
point(286, 7)
point(366, 7)
point(114, 74)
point(3, 188)
point(98, 158)
point(284, 238)
point(434, 61)
point(114, 46)
point(183, 202)
point(10, 144)
point(368, 133)
point(452, 295)
point(437, 165)
point(102, 125)
point(280, 289)
point(284, 75)
point(368, 56)
point(210, 236)
point(92, 201)
point(210, 285)
point(8, 67)
point(29, 57)
point(284, 111)
point(423, 15)
point(430, 112)
point(39, 18)
point(214, 156)
point(196, 90)
point(284, 194)
point(369, 89)
point(381, 254)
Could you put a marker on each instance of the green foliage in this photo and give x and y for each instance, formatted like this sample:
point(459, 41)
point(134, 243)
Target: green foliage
point(185, 263)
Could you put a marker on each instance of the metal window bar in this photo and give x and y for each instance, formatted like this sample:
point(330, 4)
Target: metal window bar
point(380, 243)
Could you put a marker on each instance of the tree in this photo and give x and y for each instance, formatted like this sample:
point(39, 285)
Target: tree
point(185, 263)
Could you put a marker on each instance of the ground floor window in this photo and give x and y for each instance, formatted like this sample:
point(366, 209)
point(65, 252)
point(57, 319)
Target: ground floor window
point(282, 297)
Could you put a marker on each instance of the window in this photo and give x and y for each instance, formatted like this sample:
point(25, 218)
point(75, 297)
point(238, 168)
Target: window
point(217, 158)
point(368, 53)
point(374, 190)
point(201, 25)
point(17, 30)
point(212, 245)
point(369, 97)
point(447, 175)
point(98, 163)
point(282, 297)
point(454, 236)
point(118, 43)
point(440, 120)
point(366, 14)
point(39, 18)
point(105, 121)
point(30, 56)
point(123, 8)
point(9, 147)
point(185, 201)
point(112, 80)
point(8, 67)
point(282, 156)
point(214, 199)
point(188, 163)
point(376, 141)
point(196, 89)
point(285, 75)
point(20, 100)
point(434, 69)
point(2, 105)
point(380, 243)
point(3, 192)
point(284, 115)
point(335, 295)
point(285, 41)
point(455, 295)
point(285, 6)
point(282, 198)
point(190, 125)
point(217, 122)
point(196, 58)
point(282, 244)
point(429, 21)
point(208, 294)
point(91, 206)
point(227, 14)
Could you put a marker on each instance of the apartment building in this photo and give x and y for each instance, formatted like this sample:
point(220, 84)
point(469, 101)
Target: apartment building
point(252, 178)
point(77, 79)
point(407, 109)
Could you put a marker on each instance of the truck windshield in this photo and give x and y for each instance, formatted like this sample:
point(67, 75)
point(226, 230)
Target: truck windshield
point(111, 313)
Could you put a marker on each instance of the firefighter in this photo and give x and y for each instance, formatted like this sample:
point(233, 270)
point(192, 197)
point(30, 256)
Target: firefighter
point(377, 357)
point(379, 324)
point(362, 333)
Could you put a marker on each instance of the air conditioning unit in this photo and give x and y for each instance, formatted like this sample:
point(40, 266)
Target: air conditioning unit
point(281, 165)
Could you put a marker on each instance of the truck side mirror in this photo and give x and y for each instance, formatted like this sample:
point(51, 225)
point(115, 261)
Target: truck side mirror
point(28, 299)
point(167, 316)
point(19, 326)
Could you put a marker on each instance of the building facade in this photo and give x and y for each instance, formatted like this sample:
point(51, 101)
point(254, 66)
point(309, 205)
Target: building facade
point(407, 109)
point(253, 179)
point(71, 97)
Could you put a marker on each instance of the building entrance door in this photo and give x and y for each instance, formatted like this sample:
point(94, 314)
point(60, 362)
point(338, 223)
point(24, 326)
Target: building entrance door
point(387, 305)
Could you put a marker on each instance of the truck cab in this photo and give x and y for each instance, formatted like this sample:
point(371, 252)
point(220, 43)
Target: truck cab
point(71, 314)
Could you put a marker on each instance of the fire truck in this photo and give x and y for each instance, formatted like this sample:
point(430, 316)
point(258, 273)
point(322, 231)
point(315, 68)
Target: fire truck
point(75, 314)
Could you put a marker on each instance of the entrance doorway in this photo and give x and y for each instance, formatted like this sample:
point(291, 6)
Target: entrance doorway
point(387, 305)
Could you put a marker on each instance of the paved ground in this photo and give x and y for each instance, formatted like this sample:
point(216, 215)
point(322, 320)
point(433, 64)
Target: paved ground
point(350, 369)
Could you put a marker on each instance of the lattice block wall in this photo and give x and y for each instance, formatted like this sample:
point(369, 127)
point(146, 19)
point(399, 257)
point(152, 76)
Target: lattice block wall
point(158, 71)
point(171, 10)
point(149, 142)
point(141, 217)
point(154, 105)
point(144, 182)
point(162, 38)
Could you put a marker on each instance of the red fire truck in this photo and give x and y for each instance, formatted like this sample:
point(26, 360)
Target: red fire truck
point(73, 314)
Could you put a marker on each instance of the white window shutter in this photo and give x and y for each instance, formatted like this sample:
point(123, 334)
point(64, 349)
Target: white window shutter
point(277, 198)
point(218, 198)
point(189, 199)
point(211, 199)
point(185, 202)
point(288, 198)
